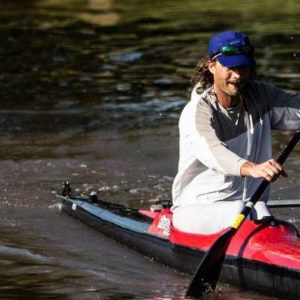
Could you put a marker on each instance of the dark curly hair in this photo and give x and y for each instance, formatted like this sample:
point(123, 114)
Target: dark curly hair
point(202, 75)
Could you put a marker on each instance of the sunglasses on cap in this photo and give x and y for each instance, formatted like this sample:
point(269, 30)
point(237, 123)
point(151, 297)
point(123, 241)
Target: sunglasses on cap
point(233, 50)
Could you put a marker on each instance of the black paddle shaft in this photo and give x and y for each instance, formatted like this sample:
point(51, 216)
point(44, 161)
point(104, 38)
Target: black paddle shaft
point(207, 274)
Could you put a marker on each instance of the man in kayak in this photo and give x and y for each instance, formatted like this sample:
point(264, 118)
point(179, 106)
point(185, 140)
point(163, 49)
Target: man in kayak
point(225, 137)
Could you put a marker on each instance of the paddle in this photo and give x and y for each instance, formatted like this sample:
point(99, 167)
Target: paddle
point(207, 274)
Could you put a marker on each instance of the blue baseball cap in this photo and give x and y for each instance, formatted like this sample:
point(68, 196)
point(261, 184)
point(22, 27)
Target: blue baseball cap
point(231, 49)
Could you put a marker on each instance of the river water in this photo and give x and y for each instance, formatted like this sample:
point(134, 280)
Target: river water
point(91, 92)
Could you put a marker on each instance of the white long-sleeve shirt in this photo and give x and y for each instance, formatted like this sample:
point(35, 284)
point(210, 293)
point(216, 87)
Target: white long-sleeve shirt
point(215, 142)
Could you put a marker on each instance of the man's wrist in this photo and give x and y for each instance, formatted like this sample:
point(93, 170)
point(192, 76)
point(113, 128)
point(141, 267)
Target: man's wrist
point(246, 168)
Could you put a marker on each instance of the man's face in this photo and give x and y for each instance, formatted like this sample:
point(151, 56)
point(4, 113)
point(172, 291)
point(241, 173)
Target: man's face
point(227, 79)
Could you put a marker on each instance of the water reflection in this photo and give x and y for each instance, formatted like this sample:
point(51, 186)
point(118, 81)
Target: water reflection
point(72, 63)
point(91, 91)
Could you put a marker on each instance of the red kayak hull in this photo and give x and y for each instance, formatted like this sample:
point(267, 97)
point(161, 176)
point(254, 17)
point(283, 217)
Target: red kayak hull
point(261, 257)
point(272, 244)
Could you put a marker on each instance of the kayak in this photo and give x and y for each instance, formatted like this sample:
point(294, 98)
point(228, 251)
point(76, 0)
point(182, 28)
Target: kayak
point(262, 256)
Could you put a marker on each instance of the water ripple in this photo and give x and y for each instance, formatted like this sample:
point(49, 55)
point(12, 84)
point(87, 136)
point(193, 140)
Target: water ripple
point(154, 105)
point(23, 255)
